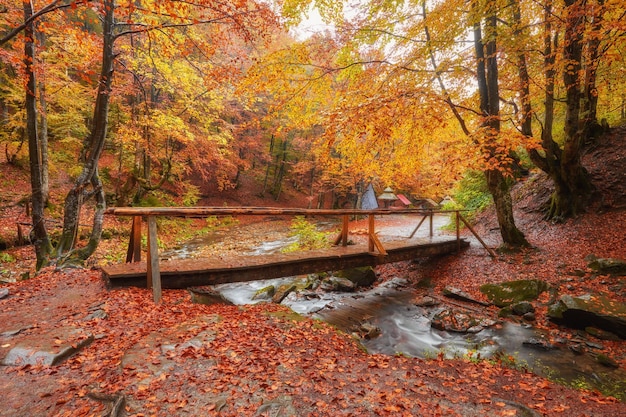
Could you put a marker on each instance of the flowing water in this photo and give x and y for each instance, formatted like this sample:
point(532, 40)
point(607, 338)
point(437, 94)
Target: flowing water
point(405, 328)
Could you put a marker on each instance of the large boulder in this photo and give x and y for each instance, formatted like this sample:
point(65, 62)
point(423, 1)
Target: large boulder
point(265, 293)
point(206, 296)
point(610, 266)
point(507, 293)
point(459, 321)
point(590, 310)
point(362, 277)
point(338, 284)
point(283, 291)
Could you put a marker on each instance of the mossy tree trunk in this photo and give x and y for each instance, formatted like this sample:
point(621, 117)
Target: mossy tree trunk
point(40, 236)
point(572, 185)
point(92, 149)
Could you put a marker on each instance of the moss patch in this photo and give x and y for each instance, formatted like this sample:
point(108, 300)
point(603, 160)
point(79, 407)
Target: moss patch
point(507, 293)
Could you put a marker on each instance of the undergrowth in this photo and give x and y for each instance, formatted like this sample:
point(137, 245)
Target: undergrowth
point(307, 235)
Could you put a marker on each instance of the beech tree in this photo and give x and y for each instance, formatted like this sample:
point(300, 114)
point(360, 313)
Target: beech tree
point(578, 39)
point(247, 19)
point(494, 90)
point(413, 66)
point(41, 239)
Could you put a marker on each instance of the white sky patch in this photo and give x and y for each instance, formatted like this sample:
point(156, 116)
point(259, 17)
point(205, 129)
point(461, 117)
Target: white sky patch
point(311, 24)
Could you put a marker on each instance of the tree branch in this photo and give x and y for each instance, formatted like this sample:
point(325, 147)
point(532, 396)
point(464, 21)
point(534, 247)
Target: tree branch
point(47, 9)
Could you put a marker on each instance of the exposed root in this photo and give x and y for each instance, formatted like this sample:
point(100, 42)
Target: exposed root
point(117, 403)
point(524, 410)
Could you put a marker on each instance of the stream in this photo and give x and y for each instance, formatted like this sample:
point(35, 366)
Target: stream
point(402, 327)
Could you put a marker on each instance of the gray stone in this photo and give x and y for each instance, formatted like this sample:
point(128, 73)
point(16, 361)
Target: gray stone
point(4, 292)
point(601, 334)
point(282, 292)
point(281, 406)
point(362, 277)
point(369, 331)
point(611, 266)
point(47, 352)
point(607, 361)
point(590, 310)
point(14, 332)
point(577, 349)
point(97, 314)
point(454, 321)
point(538, 343)
point(530, 316)
point(207, 296)
point(521, 308)
point(507, 293)
point(338, 284)
point(594, 345)
point(426, 301)
point(457, 294)
point(265, 293)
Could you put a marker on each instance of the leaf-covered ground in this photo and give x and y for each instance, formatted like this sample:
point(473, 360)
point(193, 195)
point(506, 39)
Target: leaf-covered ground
point(179, 358)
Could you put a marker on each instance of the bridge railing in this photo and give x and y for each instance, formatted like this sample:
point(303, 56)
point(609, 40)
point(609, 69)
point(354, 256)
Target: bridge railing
point(151, 213)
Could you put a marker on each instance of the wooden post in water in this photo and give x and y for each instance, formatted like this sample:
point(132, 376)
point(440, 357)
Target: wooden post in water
point(153, 271)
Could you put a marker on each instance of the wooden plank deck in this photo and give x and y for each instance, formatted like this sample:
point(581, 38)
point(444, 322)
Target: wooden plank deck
point(210, 271)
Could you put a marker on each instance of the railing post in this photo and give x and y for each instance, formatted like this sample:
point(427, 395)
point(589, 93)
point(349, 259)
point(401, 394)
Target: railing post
point(458, 230)
point(133, 254)
point(370, 232)
point(471, 229)
point(153, 272)
point(373, 241)
point(344, 230)
point(431, 223)
point(418, 226)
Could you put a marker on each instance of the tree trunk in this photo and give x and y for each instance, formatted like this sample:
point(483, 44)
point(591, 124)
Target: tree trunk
point(92, 151)
point(573, 187)
point(269, 165)
point(43, 144)
point(487, 78)
point(43, 130)
point(591, 126)
point(39, 233)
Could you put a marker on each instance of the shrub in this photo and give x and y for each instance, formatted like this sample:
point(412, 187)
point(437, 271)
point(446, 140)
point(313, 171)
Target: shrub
point(308, 237)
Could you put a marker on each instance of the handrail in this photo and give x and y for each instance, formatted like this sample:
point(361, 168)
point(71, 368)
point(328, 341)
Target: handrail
point(224, 211)
point(153, 270)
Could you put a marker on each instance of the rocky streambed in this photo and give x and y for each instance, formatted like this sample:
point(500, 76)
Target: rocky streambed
point(397, 318)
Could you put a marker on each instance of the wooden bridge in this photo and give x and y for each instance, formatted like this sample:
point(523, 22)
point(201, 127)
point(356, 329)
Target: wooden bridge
point(184, 273)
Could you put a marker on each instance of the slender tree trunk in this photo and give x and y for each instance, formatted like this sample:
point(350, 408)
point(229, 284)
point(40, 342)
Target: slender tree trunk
point(590, 101)
point(40, 234)
point(43, 143)
point(43, 130)
point(281, 170)
point(92, 151)
point(524, 78)
point(487, 76)
point(269, 165)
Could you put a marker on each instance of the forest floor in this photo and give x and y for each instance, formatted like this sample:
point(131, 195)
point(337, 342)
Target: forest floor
point(179, 358)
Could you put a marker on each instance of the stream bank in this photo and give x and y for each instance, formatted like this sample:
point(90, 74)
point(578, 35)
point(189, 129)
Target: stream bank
point(391, 319)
